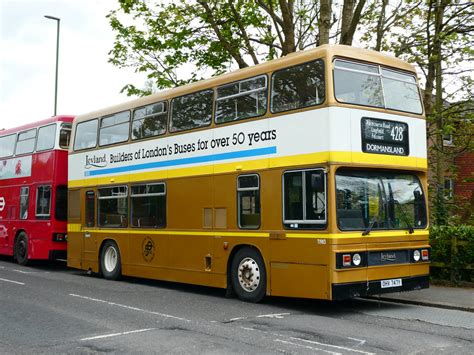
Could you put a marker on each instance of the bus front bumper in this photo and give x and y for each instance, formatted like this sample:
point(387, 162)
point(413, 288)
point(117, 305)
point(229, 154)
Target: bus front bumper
point(360, 289)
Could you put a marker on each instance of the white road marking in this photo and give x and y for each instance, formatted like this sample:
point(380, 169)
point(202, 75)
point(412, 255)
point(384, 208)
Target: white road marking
point(117, 334)
point(130, 307)
point(308, 341)
point(2, 267)
point(24, 272)
point(306, 346)
point(13, 282)
point(332, 346)
point(360, 341)
point(275, 315)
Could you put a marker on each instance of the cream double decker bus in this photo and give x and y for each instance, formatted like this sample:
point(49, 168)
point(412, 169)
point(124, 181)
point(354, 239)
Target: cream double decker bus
point(304, 177)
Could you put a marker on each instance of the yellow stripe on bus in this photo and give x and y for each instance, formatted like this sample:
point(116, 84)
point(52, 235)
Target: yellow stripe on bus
point(374, 234)
point(77, 228)
point(249, 165)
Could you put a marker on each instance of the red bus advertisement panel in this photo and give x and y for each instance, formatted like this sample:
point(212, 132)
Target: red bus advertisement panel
point(33, 190)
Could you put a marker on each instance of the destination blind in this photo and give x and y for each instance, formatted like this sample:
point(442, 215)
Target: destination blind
point(384, 137)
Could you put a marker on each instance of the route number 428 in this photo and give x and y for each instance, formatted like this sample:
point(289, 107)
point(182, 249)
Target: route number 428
point(397, 133)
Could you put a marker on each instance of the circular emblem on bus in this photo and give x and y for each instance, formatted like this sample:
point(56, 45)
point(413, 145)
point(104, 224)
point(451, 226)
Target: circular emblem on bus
point(148, 249)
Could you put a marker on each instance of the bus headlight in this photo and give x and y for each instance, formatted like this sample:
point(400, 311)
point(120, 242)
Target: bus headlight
point(356, 259)
point(416, 255)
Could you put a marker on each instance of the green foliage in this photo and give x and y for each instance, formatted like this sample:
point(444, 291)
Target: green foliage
point(186, 40)
point(454, 247)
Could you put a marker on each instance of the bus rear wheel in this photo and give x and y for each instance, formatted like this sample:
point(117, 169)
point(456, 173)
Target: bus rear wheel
point(110, 261)
point(248, 275)
point(20, 252)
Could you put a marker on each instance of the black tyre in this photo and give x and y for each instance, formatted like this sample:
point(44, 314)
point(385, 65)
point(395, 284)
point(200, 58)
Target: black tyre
point(248, 275)
point(20, 251)
point(110, 261)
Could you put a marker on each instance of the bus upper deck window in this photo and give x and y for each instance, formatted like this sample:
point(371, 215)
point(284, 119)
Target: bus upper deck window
point(46, 136)
point(86, 135)
point(298, 87)
point(7, 145)
point(26, 142)
point(149, 121)
point(114, 128)
point(401, 91)
point(191, 111)
point(240, 100)
point(65, 135)
point(358, 83)
point(372, 85)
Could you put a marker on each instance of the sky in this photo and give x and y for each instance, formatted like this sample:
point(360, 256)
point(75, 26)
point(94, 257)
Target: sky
point(87, 82)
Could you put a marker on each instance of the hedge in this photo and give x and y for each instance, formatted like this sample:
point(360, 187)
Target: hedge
point(452, 252)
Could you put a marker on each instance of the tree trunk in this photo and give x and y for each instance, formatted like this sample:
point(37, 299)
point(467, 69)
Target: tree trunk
point(288, 28)
point(436, 55)
point(325, 13)
point(350, 20)
point(347, 10)
point(380, 26)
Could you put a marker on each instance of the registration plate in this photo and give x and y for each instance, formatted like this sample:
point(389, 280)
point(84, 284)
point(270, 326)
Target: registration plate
point(391, 283)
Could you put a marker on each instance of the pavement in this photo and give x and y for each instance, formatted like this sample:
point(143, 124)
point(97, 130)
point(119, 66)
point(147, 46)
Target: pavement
point(458, 298)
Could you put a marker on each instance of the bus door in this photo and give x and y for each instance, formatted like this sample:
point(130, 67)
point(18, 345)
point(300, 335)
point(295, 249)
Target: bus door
point(88, 231)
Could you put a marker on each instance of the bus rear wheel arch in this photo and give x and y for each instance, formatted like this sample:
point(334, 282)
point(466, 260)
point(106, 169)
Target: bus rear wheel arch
point(248, 275)
point(20, 251)
point(110, 260)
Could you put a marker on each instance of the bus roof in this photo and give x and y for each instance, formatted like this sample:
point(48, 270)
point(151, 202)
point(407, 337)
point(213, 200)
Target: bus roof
point(36, 124)
point(324, 51)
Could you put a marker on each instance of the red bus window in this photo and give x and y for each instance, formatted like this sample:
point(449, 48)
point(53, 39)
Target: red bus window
point(24, 198)
point(46, 137)
point(60, 211)
point(43, 201)
point(65, 135)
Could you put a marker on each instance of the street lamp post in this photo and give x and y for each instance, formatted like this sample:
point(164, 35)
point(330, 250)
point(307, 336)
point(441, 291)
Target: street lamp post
point(57, 60)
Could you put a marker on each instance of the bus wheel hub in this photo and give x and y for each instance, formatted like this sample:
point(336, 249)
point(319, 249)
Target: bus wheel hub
point(249, 274)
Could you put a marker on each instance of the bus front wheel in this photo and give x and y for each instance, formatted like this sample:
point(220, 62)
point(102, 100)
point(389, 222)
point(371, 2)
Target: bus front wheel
point(21, 249)
point(110, 261)
point(248, 275)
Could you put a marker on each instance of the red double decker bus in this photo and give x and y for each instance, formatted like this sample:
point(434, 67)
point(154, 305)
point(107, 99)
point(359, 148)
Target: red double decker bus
point(33, 189)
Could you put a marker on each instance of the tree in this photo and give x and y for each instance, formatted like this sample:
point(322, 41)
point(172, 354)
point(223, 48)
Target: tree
point(438, 38)
point(213, 36)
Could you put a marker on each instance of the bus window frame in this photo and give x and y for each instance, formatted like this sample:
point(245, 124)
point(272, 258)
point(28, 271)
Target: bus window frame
point(94, 208)
point(96, 136)
point(14, 145)
point(100, 127)
point(243, 189)
point(43, 215)
point(18, 140)
point(379, 74)
point(166, 106)
point(126, 196)
point(54, 137)
point(305, 224)
point(170, 115)
point(132, 195)
point(270, 101)
point(67, 126)
point(266, 90)
point(24, 216)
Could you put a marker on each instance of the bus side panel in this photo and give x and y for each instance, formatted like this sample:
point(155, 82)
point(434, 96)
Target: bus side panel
point(299, 266)
point(299, 280)
point(74, 246)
